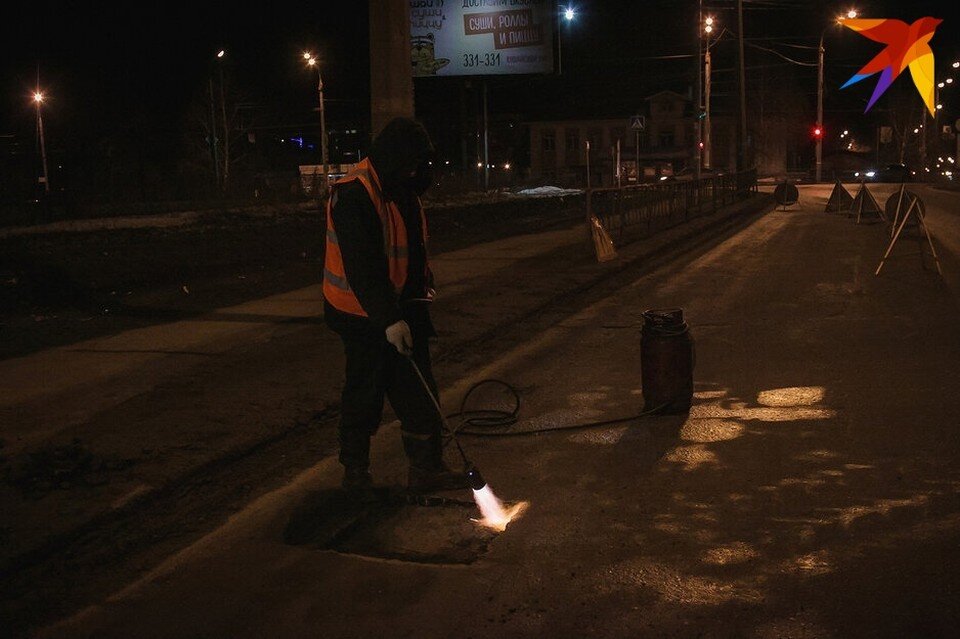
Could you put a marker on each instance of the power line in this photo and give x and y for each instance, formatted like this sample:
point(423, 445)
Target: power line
point(777, 53)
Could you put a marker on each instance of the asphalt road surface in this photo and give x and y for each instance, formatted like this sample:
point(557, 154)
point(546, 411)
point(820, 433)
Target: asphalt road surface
point(812, 491)
point(118, 451)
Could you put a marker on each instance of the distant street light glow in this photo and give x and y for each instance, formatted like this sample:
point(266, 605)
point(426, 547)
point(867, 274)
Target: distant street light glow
point(221, 53)
point(569, 14)
point(38, 97)
point(956, 65)
point(852, 13)
point(949, 80)
point(307, 55)
point(940, 85)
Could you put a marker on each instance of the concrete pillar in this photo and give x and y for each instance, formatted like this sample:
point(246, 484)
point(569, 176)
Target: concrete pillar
point(391, 77)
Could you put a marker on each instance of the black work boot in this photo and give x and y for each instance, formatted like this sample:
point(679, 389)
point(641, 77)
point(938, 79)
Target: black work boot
point(435, 479)
point(356, 478)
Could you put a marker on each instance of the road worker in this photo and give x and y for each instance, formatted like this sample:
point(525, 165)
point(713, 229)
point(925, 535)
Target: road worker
point(377, 289)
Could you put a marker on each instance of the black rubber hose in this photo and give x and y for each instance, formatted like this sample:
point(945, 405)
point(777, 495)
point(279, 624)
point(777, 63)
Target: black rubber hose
point(488, 419)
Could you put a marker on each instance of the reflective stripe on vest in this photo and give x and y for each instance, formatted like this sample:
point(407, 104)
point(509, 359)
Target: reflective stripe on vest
point(336, 288)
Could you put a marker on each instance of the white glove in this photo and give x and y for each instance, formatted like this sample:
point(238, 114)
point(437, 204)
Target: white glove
point(399, 335)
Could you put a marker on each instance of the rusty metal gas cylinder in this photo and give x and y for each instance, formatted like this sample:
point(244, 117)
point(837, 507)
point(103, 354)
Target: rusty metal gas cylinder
point(666, 361)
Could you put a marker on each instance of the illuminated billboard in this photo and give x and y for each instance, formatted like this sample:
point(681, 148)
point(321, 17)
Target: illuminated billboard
point(481, 37)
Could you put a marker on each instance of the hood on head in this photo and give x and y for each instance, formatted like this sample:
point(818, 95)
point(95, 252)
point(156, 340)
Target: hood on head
point(398, 150)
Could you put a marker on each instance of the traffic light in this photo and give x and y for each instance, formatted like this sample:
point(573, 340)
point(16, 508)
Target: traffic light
point(817, 132)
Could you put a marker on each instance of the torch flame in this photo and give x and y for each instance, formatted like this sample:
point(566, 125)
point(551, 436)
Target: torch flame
point(495, 515)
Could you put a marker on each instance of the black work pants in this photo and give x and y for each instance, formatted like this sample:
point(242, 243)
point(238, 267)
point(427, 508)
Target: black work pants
point(375, 369)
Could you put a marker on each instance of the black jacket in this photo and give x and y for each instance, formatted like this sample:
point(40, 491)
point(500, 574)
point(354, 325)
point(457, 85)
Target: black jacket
point(396, 153)
point(360, 236)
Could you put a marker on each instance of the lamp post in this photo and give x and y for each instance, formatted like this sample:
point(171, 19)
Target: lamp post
point(38, 100)
point(226, 125)
point(698, 96)
point(214, 139)
point(312, 62)
point(851, 14)
point(742, 86)
point(709, 26)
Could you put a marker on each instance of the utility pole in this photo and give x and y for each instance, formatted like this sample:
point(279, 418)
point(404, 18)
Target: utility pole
point(213, 137)
point(707, 158)
point(819, 174)
point(226, 131)
point(486, 140)
point(742, 138)
point(391, 79)
point(616, 160)
point(699, 95)
point(38, 98)
point(323, 135)
point(314, 63)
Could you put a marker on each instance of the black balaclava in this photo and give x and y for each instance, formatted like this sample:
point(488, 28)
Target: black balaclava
point(402, 148)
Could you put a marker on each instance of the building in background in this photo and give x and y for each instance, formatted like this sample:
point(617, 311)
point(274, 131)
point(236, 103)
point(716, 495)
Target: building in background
point(558, 151)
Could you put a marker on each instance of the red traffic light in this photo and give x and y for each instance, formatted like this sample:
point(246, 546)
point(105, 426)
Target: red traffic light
point(817, 132)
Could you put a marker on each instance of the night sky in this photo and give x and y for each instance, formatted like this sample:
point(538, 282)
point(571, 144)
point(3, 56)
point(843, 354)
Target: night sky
point(106, 64)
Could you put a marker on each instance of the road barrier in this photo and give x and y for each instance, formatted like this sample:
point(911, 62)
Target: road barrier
point(632, 212)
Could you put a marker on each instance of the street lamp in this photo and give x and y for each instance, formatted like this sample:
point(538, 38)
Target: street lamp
point(569, 14)
point(850, 15)
point(313, 63)
point(225, 173)
point(38, 100)
point(709, 26)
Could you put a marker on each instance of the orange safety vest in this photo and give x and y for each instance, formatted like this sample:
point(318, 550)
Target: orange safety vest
point(336, 288)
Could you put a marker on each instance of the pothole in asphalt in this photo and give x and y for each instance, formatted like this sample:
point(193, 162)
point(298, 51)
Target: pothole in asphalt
point(384, 524)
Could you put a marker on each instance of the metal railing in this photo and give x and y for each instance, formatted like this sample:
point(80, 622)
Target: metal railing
point(631, 212)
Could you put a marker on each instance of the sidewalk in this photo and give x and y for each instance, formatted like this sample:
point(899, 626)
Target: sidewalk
point(812, 491)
